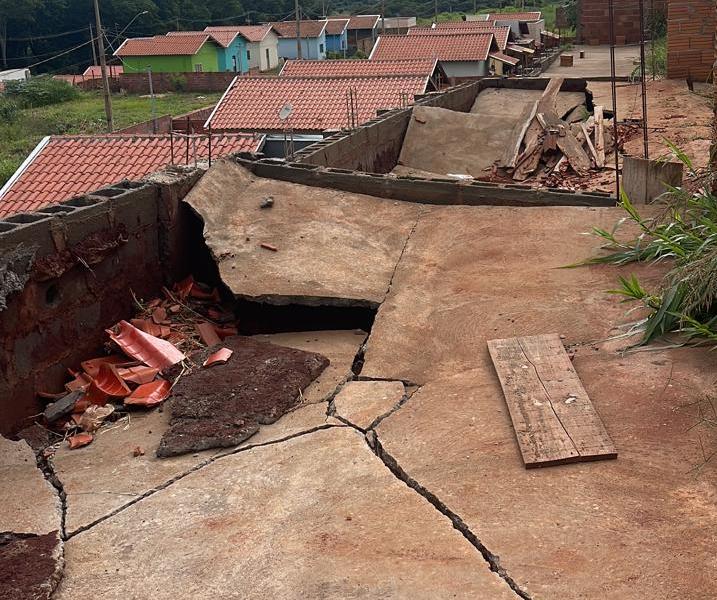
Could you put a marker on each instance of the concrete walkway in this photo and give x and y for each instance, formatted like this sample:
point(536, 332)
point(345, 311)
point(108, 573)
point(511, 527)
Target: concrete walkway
point(414, 487)
point(596, 63)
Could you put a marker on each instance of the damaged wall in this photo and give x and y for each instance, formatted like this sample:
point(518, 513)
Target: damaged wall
point(68, 272)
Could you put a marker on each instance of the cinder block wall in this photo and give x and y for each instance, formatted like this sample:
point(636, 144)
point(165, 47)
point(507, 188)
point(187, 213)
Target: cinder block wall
point(68, 271)
point(594, 20)
point(690, 46)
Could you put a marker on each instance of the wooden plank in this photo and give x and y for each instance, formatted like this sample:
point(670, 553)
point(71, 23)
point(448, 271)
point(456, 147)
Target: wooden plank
point(589, 141)
point(574, 152)
point(518, 133)
point(599, 137)
point(553, 418)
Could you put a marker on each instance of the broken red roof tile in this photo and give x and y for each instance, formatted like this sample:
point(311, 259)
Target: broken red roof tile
point(79, 440)
point(208, 334)
point(80, 381)
point(501, 33)
point(309, 29)
point(467, 47)
point(319, 103)
point(92, 366)
point(336, 26)
point(358, 68)
point(147, 326)
point(109, 382)
point(149, 349)
point(225, 332)
point(363, 22)
point(162, 45)
point(219, 357)
point(515, 16)
point(140, 374)
point(63, 167)
point(253, 33)
point(95, 71)
point(149, 394)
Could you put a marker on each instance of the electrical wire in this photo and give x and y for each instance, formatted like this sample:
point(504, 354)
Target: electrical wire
point(46, 37)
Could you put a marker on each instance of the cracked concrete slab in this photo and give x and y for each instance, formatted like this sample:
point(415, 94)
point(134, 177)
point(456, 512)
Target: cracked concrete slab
point(642, 526)
point(29, 502)
point(340, 347)
point(470, 274)
point(319, 516)
point(105, 475)
point(502, 103)
point(301, 420)
point(332, 247)
point(362, 402)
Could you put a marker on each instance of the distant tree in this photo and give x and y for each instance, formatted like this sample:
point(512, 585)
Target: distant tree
point(17, 12)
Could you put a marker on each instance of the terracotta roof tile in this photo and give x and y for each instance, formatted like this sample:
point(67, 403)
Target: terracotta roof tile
point(363, 21)
point(253, 33)
point(515, 16)
point(462, 47)
point(68, 166)
point(463, 24)
point(95, 71)
point(504, 58)
point(309, 29)
point(162, 45)
point(319, 103)
point(336, 26)
point(501, 33)
point(223, 38)
point(358, 68)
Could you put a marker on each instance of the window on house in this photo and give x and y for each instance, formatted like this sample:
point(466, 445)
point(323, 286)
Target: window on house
point(268, 61)
point(234, 62)
point(198, 68)
point(321, 48)
point(248, 54)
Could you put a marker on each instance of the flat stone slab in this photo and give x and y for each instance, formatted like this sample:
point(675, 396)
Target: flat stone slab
point(333, 247)
point(503, 283)
point(30, 567)
point(29, 503)
point(509, 104)
point(223, 405)
point(318, 516)
point(362, 402)
point(642, 526)
point(340, 347)
point(105, 476)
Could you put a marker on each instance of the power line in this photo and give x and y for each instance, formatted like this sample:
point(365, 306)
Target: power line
point(46, 37)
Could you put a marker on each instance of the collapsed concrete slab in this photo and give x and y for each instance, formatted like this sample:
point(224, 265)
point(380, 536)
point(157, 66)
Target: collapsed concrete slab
point(320, 246)
point(318, 516)
point(224, 405)
point(362, 403)
point(30, 505)
point(507, 105)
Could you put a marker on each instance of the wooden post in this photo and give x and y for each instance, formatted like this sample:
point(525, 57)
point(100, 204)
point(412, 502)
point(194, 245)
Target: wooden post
point(103, 69)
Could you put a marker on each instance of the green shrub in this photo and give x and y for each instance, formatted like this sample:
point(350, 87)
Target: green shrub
point(8, 110)
point(178, 82)
point(8, 166)
point(40, 91)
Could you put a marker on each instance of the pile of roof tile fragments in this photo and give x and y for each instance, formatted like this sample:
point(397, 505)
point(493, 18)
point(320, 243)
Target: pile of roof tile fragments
point(168, 349)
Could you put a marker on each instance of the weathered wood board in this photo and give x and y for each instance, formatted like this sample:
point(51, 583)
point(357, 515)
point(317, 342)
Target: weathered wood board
point(554, 420)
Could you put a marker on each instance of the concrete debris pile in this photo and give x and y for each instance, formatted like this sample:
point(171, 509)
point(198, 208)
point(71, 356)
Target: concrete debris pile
point(543, 145)
point(135, 372)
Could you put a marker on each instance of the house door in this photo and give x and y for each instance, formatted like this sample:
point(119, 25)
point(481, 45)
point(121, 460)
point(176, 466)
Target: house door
point(268, 60)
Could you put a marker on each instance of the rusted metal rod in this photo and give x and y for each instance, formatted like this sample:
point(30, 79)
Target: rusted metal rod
point(611, 14)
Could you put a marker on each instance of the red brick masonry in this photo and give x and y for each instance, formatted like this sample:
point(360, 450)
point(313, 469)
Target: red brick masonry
point(690, 46)
point(594, 20)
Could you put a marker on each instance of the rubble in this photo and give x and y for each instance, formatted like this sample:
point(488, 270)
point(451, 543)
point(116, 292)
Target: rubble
point(31, 565)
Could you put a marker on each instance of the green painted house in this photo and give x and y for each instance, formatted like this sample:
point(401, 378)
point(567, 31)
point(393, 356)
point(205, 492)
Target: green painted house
point(192, 53)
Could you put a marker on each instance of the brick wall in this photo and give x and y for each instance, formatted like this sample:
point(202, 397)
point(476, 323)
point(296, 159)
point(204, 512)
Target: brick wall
point(594, 20)
point(690, 46)
point(138, 83)
point(161, 124)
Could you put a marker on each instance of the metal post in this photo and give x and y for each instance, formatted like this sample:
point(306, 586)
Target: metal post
point(210, 144)
point(642, 80)
point(435, 11)
point(297, 12)
point(171, 143)
point(151, 100)
point(92, 43)
point(383, 16)
point(652, 38)
point(611, 13)
point(103, 69)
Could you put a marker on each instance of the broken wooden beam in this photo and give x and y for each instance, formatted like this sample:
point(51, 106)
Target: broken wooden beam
point(599, 137)
point(553, 418)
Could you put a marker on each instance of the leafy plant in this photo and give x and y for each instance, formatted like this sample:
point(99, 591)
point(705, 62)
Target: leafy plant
point(8, 110)
point(40, 91)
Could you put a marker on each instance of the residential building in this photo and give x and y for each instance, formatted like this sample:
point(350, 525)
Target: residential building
point(313, 39)
point(63, 167)
point(262, 44)
point(396, 24)
point(170, 54)
point(232, 48)
point(15, 75)
point(502, 34)
point(95, 71)
point(317, 104)
point(461, 56)
point(337, 35)
point(362, 32)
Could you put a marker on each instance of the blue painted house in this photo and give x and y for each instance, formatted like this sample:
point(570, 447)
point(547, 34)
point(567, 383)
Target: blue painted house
point(231, 51)
point(336, 35)
point(313, 39)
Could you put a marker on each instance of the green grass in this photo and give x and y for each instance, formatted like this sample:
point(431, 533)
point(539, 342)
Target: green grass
point(85, 115)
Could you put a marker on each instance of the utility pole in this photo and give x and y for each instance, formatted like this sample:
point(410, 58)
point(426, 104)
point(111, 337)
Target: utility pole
point(435, 11)
point(103, 68)
point(151, 99)
point(92, 43)
point(297, 11)
point(383, 17)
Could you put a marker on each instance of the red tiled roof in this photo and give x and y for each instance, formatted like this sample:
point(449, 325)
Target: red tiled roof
point(67, 166)
point(515, 16)
point(162, 45)
point(363, 21)
point(464, 24)
point(504, 58)
point(253, 33)
point(358, 68)
point(223, 38)
point(309, 29)
point(95, 71)
point(462, 47)
point(319, 103)
point(336, 26)
point(501, 33)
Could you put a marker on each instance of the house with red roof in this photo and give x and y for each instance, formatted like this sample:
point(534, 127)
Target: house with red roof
point(337, 35)
point(464, 55)
point(195, 52)
point(63, 167)
point(312, 36)
point(262, 44)
point(523, 24)
point(362, 32)
point(232, 48)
